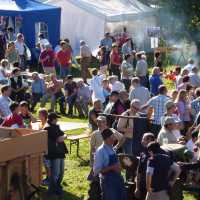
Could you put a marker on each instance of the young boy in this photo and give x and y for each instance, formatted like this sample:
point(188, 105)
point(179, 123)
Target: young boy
point(27, 117)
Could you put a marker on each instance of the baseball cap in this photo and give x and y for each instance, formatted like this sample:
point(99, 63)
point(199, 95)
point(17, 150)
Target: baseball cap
point(52, 116)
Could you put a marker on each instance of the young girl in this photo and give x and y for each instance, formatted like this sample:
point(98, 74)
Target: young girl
point(184, 110)
point(43, 116)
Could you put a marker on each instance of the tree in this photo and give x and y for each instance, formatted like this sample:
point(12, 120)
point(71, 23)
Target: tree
point(187, 13)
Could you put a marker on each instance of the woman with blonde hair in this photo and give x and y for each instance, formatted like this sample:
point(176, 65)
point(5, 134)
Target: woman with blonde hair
point(184, 109)
point(43, 116)
point(155, 81)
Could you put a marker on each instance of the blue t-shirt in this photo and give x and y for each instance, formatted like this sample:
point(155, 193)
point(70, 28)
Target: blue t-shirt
point(101, 159)
point(155, 82)
point(159, 167)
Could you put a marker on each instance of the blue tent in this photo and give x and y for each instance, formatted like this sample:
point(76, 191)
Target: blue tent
point(32, 12)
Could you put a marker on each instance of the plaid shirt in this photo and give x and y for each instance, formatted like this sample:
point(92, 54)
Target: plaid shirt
point(158, 105)
point(195, 105)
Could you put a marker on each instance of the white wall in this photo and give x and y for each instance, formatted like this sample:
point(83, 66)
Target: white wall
point(77, 24)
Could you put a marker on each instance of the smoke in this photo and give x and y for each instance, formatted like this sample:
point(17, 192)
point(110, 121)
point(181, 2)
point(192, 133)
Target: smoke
point(175, 36)
point(183, 49)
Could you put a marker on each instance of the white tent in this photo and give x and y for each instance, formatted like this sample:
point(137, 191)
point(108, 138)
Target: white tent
point(89, 19)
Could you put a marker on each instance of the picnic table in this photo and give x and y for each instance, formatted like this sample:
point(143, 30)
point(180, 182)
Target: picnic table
point(75, 138)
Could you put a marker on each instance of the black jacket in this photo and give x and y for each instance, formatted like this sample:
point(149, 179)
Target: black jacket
point(55, 149)
point(16, 84)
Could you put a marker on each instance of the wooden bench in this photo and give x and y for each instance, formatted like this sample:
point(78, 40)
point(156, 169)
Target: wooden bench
point(74, 139)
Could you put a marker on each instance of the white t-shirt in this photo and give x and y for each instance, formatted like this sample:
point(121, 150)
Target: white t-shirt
point(97, 89)
point(2, 77)
point(189, 67)
point(20, 47)
point(117, 86)
point(43, 42)
point(128, 68)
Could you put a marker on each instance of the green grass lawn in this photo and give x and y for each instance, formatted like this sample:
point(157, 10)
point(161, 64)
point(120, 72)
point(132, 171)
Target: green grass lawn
point(77, 168)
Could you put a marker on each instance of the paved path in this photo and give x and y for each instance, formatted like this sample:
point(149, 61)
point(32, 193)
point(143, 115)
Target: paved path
point(65, 126)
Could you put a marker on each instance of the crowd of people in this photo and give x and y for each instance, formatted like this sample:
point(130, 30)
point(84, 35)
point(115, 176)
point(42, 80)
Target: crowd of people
point(121, 87)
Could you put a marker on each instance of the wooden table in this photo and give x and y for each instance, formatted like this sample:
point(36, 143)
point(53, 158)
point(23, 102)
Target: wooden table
point(74, 139)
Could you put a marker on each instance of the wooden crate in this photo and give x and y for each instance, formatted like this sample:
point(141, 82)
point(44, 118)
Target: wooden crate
point(3, 184)
point(21, 153)
point(16, 143)
point(35, 164)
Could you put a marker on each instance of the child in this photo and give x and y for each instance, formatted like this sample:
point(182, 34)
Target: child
point(26, 115)
point(106, 89)
point(14, 120)
point(43, 116)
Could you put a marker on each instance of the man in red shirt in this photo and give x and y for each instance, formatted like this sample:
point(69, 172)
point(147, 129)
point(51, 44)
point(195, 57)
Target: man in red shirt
point(64, 57)
point(14, 120)
point(47, 59)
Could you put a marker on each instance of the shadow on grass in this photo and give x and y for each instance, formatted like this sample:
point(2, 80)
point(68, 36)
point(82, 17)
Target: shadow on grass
point(65, 196)
point(83, 163)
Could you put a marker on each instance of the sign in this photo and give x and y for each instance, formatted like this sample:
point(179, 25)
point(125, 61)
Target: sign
point(154, 42)
point(153, 31)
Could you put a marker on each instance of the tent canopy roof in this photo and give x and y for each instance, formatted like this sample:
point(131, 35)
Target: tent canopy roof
point(23, 6)
point(114, 10)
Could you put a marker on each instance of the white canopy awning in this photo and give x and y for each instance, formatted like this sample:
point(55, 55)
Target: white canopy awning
point(114, 10)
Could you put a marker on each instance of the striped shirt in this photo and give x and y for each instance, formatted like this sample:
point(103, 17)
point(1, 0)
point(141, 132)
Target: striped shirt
point(158, 105)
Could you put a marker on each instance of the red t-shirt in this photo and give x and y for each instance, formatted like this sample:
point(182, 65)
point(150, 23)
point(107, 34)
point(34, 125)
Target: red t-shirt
point(12, 120)
point(64, 57)
point(116, 57)
point(47, 58)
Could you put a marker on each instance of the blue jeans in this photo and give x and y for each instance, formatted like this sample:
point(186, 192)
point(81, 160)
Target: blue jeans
point(64, 71)
point(128, 146)
point(56, 177)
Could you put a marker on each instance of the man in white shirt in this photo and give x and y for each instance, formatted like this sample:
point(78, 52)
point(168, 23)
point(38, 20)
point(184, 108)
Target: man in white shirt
point(190, 65)
point(97, 140)
point(115, 84)
point(139, 92)
point(5, 101)
point(194, 77)
point(96, 86)
point(141, 69)
point(42, 41)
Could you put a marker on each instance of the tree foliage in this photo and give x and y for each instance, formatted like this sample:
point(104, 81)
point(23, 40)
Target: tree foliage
point(188, 10)
point(185, 13)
